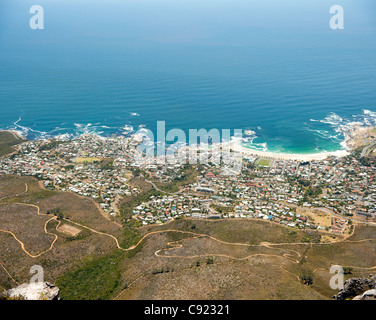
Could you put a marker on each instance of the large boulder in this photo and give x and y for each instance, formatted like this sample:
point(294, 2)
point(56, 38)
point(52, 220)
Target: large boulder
point(357, 288)
point(34, 291)
point(368, 295)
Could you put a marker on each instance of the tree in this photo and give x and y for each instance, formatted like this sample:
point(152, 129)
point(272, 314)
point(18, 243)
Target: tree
point(136, 172)
point(347, 270)
point(306, 277)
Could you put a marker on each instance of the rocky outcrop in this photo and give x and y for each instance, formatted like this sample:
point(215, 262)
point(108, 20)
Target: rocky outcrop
point(358, 288)
point(34, 291)
point(368, 295)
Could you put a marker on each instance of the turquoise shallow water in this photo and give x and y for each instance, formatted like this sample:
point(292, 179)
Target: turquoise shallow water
point(276, 69)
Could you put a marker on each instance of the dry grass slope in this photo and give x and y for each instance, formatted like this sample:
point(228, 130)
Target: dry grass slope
point(185, 259)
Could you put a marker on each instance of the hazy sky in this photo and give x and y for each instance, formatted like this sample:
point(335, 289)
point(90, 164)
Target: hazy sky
point(139, 17)
point(115, 26)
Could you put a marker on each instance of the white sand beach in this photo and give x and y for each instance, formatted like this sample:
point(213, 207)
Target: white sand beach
point(291, 156)
point(357, 135)
point(244, 151)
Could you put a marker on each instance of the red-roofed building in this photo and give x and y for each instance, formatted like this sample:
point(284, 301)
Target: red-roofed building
point(210, 175)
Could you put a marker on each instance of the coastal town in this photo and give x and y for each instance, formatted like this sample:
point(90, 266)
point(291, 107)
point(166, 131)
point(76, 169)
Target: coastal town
point(291, 192)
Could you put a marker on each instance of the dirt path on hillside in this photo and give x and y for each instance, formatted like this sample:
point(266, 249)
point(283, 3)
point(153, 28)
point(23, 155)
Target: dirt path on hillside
point(292, 255)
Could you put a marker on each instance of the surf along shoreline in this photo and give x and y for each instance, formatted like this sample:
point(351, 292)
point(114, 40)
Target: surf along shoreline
point(357, 135)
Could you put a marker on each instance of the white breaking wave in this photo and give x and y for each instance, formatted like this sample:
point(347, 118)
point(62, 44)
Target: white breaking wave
point(332, 119)
point(369, 113)
point(25, 131)
point(343, 127)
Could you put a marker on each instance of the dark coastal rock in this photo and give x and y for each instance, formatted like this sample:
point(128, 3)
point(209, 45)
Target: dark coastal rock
point(358, 288)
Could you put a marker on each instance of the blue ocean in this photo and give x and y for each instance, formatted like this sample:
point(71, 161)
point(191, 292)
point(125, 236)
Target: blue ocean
point(272, 68)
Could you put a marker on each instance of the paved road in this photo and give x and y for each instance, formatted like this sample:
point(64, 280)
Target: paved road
point(343, 217)
point(333, 214)
point(156, 188)
point(367, 150)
